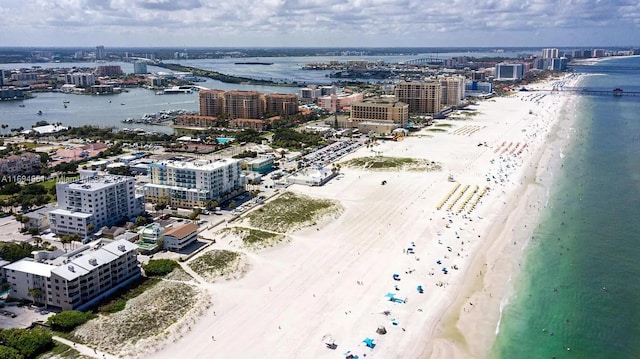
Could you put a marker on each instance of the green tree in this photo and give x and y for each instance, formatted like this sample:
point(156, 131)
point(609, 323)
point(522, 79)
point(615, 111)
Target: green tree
point(68, 320)
point(211, 205)
point(35, 293)
point(8, 352)
point(141, 221)
point(159, 267)
point(29, 342)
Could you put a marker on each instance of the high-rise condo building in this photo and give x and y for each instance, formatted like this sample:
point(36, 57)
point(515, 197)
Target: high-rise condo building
point(551, 53)
point(422, 97)
point(86, 205)
point(281, 104)
point(211, 102)
point(453, 90)
point(140, 68)
point(243, 104)
point(101, 54)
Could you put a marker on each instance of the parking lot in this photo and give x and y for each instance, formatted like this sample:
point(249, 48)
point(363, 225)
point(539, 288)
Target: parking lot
point(22, 317)
point(10, 229)
point(329, 154)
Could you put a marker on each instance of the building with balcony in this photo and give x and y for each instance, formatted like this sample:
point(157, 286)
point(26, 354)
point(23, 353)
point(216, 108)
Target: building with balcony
point(94, 201)
point(80, 79)
point(281, 104)
point(339, 102)
point(109, 70)
point(211, 102)
point(385, 109)
point(193, 184)
point(453, 90)
point(550, 53)
point(26, 163)
point(74, 280)
point(243, 104)
point(195, 121)
point(422, 97)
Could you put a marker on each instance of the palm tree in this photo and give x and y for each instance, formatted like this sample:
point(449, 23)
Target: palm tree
point(35, 293)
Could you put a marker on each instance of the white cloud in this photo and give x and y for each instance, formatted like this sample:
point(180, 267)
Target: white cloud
point(311, 22)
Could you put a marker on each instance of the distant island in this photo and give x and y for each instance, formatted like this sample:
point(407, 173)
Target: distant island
point(253, 63)
point(222, 77)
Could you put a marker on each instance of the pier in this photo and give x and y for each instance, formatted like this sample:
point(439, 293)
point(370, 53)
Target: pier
point(597, 92)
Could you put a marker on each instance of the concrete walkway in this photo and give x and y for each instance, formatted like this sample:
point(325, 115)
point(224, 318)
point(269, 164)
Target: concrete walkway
point(85, 350)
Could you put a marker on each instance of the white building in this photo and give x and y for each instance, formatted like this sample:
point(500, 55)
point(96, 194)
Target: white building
point(551, 53)
point(180, 235)
point(99, 200)
point(193, 184)
point(74, 280)
point(81, 79)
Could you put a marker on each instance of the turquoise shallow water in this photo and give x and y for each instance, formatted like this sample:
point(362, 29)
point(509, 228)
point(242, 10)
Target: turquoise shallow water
point(578, 295)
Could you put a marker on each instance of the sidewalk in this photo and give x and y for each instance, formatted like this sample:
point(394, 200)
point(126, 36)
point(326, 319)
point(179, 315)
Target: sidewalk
point(85, 350)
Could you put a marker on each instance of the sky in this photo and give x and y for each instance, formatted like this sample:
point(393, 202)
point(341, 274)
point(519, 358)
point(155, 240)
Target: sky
point(320, 23)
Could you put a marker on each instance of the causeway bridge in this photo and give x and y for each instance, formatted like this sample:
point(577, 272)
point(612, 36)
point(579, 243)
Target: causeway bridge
point(430, 60)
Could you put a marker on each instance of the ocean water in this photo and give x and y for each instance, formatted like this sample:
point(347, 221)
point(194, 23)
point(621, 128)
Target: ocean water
point(578, 293)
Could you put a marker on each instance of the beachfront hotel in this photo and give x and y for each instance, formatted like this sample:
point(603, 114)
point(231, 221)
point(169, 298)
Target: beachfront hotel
point(386, 109)
point(93, 202)
point(73, 280)
point(193, 184)
point(453, 90)
point(422, 97)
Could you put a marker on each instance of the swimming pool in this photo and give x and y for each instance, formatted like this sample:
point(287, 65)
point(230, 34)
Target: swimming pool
point(223, 140)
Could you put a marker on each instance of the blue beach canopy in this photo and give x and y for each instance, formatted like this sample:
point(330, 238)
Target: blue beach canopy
point(369, 342)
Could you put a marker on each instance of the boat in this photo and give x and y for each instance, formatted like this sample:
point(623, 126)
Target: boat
point(122, 103)
point(65, 101)
point(21, 105)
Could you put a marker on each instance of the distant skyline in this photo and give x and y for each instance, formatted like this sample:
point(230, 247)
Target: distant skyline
point(320, 23)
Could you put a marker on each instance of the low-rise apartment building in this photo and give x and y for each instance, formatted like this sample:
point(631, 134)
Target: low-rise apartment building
point(74, 280)
point(26, 163)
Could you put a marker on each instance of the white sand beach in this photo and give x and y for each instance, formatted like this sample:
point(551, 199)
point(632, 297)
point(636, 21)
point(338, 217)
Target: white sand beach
point(329, 283)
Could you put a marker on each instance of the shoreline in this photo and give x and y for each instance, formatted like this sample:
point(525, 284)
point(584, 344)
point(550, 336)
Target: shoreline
point(329, 282)
point(462, 333)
